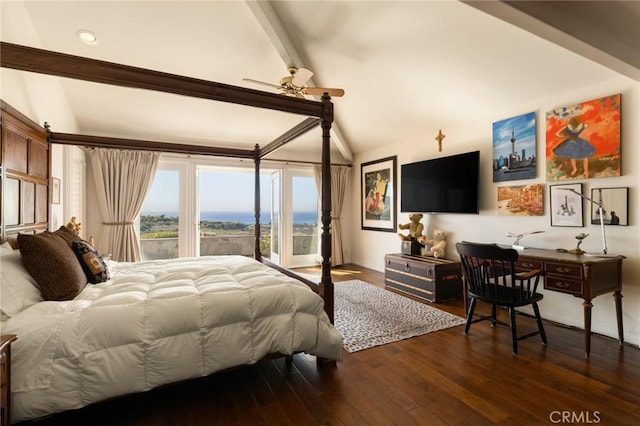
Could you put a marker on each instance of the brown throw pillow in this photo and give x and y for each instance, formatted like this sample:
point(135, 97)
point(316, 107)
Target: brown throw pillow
point(92, 263)
point(52, 263)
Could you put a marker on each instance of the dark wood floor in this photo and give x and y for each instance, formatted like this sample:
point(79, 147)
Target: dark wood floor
point(442, 378)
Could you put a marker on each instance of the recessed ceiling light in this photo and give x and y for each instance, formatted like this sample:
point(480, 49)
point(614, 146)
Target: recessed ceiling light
point(87, 37)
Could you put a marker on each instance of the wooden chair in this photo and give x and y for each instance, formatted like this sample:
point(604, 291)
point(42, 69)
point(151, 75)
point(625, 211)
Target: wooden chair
point(490, 275)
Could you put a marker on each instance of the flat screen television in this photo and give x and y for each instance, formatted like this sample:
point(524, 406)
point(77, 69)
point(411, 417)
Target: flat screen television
point(441, 185)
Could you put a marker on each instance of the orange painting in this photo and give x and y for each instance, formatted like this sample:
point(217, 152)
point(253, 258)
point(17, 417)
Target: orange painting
point(583, 140)
point(521, 200)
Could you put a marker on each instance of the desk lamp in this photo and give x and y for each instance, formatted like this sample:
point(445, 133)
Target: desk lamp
point(600, 213)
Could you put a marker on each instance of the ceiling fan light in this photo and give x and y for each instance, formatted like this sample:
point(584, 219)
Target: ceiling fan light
point(87, 37)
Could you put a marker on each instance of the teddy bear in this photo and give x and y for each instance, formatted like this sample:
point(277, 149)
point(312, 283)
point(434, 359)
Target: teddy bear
point(437, 244)
point(74, 225)
point(414, 226)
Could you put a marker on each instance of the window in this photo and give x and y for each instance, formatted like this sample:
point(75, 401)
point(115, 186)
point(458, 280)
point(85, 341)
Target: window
point(160, 217)
point(200, 208)
point(227, 211)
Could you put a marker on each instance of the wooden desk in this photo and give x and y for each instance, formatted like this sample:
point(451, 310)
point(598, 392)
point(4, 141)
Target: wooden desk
point(581, 276)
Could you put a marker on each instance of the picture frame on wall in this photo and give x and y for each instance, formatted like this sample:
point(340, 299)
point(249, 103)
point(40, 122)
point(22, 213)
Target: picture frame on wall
point(615, 204)
point(55, 191)
point(583, 140)
point(378, 194)
point(566, 206)
point(514, 148)
point(521, 200)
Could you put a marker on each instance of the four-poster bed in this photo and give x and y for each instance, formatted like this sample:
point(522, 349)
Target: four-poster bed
point(62, 65)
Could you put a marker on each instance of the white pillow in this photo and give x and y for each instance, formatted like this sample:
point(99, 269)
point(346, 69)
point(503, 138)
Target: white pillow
point(18, 289)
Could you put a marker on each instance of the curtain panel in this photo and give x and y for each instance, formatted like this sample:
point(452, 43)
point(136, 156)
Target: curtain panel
point(339, 180)
point(122, 180)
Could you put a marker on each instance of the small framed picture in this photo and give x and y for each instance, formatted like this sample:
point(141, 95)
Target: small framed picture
point(615, 206)
point(565, 202)
point(55, 191)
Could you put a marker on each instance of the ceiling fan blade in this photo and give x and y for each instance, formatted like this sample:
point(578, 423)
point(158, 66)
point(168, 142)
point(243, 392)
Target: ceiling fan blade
point(322, 90)
point(301, 77)
point(250, 80)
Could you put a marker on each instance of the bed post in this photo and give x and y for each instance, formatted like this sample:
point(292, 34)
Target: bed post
point(326, 285)
point(256, 231)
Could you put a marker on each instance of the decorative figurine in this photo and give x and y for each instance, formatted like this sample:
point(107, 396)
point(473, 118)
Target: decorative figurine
point(579, 237)
point(518, 237)
point(74, 225)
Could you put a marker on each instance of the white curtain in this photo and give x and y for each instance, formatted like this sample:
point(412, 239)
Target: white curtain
point(123, 179)
point(339, 179)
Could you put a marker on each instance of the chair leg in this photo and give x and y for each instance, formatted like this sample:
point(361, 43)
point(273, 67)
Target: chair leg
point(514, 333)
point(494, 315)
point(472, 307)
point(543, 335)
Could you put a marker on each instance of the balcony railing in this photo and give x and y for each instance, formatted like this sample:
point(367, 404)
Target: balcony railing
point(167, 248)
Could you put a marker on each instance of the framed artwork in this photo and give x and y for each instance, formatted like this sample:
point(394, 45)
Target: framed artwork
point(583, 140)
point(615, 205)
point(55, 191)
point(566, 205)
point(514, 148)
point(378, 194)
point(521, 200)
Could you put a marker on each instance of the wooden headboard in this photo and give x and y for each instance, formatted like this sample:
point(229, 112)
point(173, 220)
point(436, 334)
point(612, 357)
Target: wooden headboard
point(25, 164)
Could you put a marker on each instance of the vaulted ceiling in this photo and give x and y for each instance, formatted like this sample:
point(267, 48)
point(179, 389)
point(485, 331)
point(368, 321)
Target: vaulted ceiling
point(408, 68)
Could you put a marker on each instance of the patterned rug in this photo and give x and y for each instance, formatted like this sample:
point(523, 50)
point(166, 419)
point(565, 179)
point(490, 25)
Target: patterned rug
point(369, 316)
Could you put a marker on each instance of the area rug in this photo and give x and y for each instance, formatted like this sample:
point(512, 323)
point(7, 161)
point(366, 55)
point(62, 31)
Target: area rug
point(369, 316)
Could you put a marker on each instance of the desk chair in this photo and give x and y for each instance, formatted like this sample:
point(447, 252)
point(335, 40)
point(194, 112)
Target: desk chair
point(490, 276)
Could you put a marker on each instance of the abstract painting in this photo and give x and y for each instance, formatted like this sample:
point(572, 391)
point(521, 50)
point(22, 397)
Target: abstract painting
point(514, 148)
point(583, 140)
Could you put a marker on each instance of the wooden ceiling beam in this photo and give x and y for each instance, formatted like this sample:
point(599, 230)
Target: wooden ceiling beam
point(290, 135)
point(176, 148)
point(76, 67)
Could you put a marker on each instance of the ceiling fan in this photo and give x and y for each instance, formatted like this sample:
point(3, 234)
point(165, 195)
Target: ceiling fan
point(294, 84)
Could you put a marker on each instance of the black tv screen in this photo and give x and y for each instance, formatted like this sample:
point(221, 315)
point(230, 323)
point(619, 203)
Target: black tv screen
point(441, 185)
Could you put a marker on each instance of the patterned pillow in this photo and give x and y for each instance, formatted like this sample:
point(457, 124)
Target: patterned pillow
point(51, 262)
point(92, 263)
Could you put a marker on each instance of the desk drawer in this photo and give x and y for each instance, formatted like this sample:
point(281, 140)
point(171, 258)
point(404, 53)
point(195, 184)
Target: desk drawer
point(563, 285)
point(568, 270)
point(528, 264)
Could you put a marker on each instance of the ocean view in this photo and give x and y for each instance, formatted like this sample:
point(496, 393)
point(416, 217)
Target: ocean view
point(241, 217)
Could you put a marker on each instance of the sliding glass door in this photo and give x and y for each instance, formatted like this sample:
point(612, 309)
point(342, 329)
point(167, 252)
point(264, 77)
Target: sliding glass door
point(200, 209)
point(160, 217)
point(276, 229)
point(303, 224)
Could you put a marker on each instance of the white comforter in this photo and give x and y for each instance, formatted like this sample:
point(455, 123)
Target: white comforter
point(158, 322)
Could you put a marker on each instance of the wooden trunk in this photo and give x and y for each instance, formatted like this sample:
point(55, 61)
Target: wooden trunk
point(428, 278)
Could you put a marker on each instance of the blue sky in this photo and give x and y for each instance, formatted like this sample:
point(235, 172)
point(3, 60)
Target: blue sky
point(232, 192)
point(524, 127)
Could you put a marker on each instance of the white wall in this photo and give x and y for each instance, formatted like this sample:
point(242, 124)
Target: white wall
point(369, 247)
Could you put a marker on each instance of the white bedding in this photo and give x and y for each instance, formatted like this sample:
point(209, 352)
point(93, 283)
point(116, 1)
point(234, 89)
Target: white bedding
point(158, 322)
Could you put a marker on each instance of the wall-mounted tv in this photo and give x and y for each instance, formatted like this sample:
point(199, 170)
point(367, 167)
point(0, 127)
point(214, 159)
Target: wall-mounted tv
point(441, 185)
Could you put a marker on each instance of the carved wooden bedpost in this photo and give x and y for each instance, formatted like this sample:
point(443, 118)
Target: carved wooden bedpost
point(256, 232)
point(326, 285)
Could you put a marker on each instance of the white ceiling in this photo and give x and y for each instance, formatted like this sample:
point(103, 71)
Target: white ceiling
point(408, 68)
